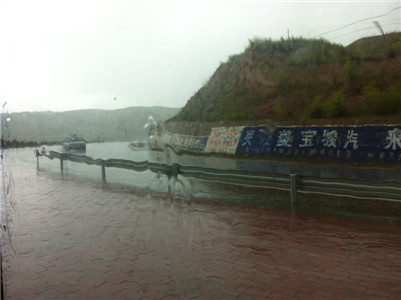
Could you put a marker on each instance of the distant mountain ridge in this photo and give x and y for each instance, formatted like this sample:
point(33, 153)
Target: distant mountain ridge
point(106, 125)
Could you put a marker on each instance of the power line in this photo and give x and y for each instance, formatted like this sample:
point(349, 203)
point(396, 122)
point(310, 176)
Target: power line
point(336, 26)
point(349, 33)
point(362, 20)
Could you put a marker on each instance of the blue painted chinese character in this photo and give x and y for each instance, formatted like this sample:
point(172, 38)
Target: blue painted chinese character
point(352, 138)
point(330, 138)
point(393, 138)
point(307, 138)
point(248, 137)
point(284, 138)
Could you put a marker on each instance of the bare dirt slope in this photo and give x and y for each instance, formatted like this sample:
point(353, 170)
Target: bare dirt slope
point(302, 81)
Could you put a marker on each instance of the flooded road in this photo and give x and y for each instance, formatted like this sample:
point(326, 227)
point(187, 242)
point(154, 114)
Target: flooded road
point(75, 238)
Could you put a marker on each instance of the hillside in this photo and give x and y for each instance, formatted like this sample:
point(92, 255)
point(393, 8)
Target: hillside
point(294, 81)
point(108, 125)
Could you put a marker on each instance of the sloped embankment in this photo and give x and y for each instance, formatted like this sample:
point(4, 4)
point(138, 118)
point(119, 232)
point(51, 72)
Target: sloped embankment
point(303, 81)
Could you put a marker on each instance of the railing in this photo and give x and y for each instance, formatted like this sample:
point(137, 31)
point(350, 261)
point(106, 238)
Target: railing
point(299, 184)
point(293, 183)
point(115, 163)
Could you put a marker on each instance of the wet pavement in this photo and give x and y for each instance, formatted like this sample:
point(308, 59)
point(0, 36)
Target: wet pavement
point(78, 239)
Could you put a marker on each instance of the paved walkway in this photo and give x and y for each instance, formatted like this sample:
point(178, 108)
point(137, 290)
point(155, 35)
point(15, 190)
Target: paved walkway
point(69, 239)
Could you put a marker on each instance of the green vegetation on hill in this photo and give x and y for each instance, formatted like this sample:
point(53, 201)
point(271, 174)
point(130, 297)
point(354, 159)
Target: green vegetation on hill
point(298, 80)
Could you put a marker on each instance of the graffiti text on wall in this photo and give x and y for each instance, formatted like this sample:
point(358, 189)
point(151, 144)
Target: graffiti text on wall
point(223, 140)
point(181, 142)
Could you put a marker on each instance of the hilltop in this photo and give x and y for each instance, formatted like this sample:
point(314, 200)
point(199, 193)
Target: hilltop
point(304, 81)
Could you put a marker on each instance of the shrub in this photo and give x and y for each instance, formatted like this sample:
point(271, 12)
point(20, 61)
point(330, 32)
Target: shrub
point(370, 98)
point(279, 108)
point(317, 109)
point(282, 82)
point(386, 102)
point(353, 73)
point(394, 50)
point(335, 106)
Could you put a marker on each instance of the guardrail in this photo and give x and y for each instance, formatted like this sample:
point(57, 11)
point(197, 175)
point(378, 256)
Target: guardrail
point(292, 183)
point(115, 163)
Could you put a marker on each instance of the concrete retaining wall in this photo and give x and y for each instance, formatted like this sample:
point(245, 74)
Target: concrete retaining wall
point(353, 144)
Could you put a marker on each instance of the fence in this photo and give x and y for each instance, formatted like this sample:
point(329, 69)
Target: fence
point(293, 183)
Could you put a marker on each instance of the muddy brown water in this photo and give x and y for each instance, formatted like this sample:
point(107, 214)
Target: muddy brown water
point(72, 237)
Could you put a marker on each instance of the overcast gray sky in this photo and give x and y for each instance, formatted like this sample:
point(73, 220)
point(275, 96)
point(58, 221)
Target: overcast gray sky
point(75, 54)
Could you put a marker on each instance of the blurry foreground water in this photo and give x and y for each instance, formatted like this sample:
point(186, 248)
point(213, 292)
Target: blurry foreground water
point(73, 237)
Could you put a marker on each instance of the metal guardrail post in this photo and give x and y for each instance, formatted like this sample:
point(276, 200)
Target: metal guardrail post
point(172, 177)
point(62, 166)
point(293, 189)
point(103, 172)
point(37, 159)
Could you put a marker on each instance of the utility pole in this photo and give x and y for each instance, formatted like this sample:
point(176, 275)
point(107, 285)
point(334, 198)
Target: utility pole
point(377, 24)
